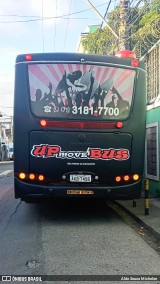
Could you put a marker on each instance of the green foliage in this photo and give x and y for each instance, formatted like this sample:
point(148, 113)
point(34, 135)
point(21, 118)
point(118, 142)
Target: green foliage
point(100, 42)
point(144, 30)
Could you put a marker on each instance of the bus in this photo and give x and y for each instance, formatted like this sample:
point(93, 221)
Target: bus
point(79, 125)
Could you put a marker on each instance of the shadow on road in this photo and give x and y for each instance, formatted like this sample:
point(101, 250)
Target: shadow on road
point(74, 210)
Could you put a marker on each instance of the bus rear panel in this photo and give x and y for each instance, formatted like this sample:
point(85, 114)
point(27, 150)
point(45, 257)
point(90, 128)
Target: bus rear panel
point(79, 126)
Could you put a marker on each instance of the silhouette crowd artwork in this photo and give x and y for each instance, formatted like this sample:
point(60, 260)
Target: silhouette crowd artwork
point(80, 90)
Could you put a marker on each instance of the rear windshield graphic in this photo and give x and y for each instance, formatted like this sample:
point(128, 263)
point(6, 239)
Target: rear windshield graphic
point(76, 91)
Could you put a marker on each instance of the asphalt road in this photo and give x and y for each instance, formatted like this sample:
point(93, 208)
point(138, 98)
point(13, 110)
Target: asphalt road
point(69, 238)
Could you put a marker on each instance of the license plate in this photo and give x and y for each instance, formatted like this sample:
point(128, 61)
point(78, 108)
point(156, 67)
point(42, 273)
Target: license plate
point(80, 178)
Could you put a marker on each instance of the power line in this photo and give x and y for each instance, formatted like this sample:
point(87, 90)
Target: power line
point(136, 18)
point(44, 18)
point(134, 21)
point(42, 27)
point(105, 13)
point(67, 26)
point(55, 28)
point(102, 25)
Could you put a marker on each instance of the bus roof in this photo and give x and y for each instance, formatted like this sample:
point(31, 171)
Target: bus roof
point(77, 57)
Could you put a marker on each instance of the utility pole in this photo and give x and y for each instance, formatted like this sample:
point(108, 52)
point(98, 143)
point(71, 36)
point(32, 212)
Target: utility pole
point(124, 30)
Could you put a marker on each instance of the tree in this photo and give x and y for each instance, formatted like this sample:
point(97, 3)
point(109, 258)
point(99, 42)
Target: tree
point(144, 26)
point(103, 41)
point(149, 28)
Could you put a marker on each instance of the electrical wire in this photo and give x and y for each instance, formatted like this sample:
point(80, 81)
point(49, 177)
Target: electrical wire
point(67, 26)
point(128, 36)
point(101, 26)
point(45, 18)
point(105, 13)
point(42, 28)
point(55, 28)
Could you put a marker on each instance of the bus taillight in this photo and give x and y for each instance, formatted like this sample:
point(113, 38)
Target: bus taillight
point(41, 177)
point(118, 179)
point(22, 175)
point(136, 177)
point(43, 122)
point(126, 178)
point(28, 57)
point(32, 176)
point(119, 124)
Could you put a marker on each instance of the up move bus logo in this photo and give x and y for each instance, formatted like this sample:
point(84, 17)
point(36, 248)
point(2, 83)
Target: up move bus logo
point(55, 151)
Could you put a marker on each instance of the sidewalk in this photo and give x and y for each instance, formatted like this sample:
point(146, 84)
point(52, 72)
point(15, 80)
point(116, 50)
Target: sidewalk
point(151, 221)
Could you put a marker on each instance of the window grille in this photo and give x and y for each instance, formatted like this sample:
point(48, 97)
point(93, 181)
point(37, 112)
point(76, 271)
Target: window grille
point(152, 157)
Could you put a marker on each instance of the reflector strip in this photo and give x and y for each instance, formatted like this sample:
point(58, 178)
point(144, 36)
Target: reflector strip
point(79, 124)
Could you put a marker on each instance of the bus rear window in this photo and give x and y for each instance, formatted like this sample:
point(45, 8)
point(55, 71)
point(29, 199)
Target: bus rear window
point(80, 91)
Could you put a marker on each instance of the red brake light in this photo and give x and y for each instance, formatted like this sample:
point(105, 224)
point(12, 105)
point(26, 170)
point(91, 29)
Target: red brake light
point(28, 57)
point(135, 63)
point(119, 124)
point(126, 54)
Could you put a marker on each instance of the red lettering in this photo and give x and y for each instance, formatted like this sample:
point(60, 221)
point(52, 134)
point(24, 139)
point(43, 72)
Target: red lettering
point(109, 154)
point(39, 151)
point(51, 150)
point(95, 153)
point(122, 155)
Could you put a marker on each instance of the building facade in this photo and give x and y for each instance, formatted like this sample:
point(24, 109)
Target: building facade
point(89, 29)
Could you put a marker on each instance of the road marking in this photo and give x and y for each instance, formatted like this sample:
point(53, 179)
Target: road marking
point(6, 162)
point(5, 173)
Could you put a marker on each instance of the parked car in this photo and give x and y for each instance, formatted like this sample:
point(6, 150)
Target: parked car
point(10, 153)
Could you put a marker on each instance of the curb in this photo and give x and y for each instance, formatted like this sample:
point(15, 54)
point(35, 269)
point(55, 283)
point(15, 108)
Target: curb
point(140, 221)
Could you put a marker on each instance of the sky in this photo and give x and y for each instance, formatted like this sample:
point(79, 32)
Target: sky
point(22, 30)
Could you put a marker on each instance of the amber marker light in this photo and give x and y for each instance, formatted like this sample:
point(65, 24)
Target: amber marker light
point(118, 179)
point(136, 177)
point(126, 178)
point(43, 122)
point(32, 176)
point(22, 175)
point(41, 177)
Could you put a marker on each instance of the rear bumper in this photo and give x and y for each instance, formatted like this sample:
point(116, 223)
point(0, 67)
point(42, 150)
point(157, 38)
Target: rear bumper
point(25, 190)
